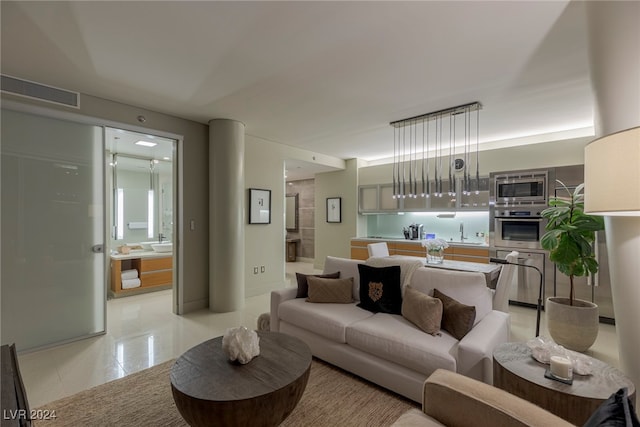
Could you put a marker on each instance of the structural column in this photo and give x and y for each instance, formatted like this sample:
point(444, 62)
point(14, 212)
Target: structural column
point(614, 48)
point(226, 215)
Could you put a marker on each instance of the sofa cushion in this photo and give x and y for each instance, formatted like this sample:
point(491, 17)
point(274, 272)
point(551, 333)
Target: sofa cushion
point(394, 338)
point(463, 286)
point(347, 268)
point(323, 290)
point(457, 318)
point(327, 320)
point(302, 279)
point(422, 310)
point(380, 289)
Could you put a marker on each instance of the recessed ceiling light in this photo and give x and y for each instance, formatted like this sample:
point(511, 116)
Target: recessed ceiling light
point(166, 158)
point(146, 143)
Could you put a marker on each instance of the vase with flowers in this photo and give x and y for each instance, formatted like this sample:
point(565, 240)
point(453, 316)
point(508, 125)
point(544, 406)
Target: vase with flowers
point(435, 250)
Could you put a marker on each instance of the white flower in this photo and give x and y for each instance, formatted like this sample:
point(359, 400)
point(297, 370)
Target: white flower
point(435, 244)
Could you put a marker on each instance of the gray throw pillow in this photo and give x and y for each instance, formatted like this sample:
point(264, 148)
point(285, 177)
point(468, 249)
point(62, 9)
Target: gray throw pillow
point(303, 288)
point(457, 318)
point(322, 290)
point(422, 310)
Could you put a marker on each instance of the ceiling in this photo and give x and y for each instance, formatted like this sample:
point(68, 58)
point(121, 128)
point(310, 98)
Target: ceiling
point(322, 76)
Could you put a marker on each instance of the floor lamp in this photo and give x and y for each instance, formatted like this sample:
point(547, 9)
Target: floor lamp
point(539, 307)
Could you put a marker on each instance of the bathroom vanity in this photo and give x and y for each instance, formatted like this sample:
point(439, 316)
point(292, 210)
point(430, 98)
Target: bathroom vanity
point(155, 271)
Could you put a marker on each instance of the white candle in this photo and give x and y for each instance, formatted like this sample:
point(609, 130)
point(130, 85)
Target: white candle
point(561, 367)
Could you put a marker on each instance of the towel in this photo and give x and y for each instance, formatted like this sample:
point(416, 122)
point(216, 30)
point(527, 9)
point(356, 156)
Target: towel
point(131, 283)
point(407, 266)
point(129, 274)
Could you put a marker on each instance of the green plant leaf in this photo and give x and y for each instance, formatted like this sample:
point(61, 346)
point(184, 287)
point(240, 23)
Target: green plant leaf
point(550, 239)
point(592, 265)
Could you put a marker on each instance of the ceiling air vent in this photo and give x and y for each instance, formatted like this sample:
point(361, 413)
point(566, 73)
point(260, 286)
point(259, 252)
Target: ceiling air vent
point(39, 91)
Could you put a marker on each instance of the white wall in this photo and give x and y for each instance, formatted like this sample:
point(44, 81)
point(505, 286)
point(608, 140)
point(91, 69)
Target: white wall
point(265, 244)
point(335, 238)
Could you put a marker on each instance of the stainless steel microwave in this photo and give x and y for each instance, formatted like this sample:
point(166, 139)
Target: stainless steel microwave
point(523, 187)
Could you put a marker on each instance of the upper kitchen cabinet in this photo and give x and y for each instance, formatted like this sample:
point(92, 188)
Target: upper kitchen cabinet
point(479, 197)
point(445, 202)
point(377, 198)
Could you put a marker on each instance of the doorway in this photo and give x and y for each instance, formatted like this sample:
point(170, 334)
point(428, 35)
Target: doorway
point(141, 210)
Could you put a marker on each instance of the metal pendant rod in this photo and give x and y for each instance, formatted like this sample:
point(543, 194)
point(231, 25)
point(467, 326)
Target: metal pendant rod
point(473, 106)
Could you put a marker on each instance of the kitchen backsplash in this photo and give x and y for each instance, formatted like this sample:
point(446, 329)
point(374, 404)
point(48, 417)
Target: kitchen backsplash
point(445, 227)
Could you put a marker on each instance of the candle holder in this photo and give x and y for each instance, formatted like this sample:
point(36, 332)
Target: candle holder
point(560, 369)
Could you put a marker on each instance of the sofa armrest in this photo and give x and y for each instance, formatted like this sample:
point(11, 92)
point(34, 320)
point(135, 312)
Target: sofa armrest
point(475, 350)
point(278, 297)
point(445, 392)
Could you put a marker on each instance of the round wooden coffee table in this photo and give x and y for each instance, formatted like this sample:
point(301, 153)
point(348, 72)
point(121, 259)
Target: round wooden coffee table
point(516, 371)
point(210, 390)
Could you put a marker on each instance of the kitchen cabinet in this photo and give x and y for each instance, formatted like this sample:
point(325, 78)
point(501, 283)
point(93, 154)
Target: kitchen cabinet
point(473, 201)
point(479, 254)
point(379, 199)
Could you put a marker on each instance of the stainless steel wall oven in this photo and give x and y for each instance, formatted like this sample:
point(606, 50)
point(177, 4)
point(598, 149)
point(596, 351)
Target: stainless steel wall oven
point(518, 228)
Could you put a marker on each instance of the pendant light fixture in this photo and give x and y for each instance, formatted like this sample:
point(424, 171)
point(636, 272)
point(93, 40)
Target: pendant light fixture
point(405, 176)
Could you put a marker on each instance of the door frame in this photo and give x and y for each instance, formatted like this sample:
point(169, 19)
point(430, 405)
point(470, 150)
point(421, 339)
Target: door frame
point(177, 305)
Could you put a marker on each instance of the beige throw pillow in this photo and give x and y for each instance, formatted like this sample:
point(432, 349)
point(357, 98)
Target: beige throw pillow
point(457, 318)
point(422, 310)
point(330, 290)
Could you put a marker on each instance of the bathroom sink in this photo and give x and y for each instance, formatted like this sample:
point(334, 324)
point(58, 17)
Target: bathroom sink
point(147, 245)
point(162, 247)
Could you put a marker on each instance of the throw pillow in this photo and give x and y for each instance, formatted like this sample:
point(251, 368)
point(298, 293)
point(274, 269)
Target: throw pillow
point(303, 288)
point(330, 290)
point(380, 289)
point(457, 318)
point(617, 410)
point(422, 310)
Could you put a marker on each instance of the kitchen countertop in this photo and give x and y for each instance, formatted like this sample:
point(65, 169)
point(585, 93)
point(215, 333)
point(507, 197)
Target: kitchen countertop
point(419, 242)
point(142, 254)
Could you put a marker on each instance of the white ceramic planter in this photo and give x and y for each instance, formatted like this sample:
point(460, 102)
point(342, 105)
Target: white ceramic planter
point(573, 326)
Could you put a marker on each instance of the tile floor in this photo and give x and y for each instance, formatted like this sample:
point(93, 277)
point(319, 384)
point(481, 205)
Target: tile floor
point(142, 332)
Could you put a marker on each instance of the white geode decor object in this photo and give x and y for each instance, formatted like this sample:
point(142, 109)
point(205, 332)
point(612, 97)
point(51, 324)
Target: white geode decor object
point(240, 344)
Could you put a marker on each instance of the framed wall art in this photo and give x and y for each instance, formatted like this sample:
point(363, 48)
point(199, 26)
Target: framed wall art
point(259, 206)
point(334, 209)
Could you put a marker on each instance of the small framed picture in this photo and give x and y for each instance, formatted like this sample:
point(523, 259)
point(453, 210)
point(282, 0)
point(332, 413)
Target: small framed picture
point(334, 209)
point(259, 206)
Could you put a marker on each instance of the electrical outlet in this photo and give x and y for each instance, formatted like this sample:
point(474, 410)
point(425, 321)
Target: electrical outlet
point(255, 270)
point(262, 269)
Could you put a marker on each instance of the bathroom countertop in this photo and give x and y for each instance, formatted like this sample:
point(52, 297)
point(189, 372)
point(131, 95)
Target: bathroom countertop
point(142, 254)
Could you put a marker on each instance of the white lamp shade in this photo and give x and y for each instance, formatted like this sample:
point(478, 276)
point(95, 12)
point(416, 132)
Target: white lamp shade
point(612, 174)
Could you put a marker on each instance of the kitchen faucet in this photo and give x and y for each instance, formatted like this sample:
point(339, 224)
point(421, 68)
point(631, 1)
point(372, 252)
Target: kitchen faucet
point(160, 237)
point(462, 238)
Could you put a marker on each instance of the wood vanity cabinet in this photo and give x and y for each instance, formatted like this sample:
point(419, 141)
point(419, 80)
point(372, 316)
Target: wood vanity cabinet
point(153, 272)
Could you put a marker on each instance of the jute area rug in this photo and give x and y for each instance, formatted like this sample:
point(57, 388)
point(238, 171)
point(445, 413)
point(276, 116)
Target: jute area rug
point(333, 397)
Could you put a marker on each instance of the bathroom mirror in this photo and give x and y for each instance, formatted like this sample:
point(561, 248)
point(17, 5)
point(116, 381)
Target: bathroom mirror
point(142, 202)
point(291, 212)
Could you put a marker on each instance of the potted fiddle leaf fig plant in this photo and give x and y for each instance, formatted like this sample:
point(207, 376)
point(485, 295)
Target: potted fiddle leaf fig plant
point(569, 238)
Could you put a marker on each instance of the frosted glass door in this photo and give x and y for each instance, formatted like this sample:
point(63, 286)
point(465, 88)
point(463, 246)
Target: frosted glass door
point(53, 281)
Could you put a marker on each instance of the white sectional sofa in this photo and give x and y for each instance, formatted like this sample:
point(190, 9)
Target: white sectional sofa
point(386, 348)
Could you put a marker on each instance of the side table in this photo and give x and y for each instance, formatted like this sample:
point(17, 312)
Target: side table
point(516, 371)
